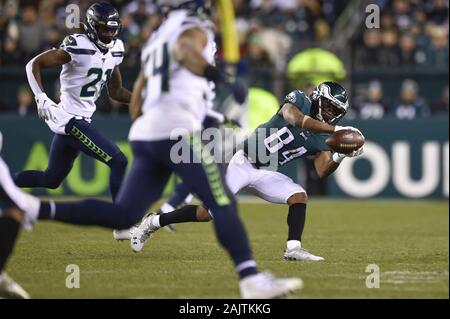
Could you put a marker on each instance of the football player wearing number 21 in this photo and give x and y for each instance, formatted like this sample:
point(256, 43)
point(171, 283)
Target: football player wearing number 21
point(90, 61)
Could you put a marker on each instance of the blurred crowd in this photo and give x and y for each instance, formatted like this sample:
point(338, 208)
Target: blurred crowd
point(412, 33)
point(270, 32)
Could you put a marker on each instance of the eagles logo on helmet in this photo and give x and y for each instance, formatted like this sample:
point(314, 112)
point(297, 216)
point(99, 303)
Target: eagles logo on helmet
point(329, 102)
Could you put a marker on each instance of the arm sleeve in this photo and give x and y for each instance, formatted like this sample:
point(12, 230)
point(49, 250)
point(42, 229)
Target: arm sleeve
point(31, 79)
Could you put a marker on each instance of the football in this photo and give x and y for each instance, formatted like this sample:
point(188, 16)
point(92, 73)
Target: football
point(345, 141)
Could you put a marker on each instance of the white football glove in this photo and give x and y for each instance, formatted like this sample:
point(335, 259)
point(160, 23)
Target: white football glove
point(338, 157)
point(44, 105)
point(338, 128)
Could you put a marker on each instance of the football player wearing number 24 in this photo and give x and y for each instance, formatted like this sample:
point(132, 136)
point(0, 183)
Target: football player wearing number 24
point(90, 61)
point(300, 128)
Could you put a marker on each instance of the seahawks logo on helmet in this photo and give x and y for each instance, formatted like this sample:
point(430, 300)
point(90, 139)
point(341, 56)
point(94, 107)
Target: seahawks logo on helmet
point(102, 25)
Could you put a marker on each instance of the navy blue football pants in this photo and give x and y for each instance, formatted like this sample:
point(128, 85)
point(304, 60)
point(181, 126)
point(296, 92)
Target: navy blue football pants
point(83, 137)
point(144, 184)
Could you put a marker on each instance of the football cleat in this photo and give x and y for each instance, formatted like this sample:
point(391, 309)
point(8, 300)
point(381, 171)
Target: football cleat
point(142, 233)
point(299, 253)
point(264, 286)
point(9, 289)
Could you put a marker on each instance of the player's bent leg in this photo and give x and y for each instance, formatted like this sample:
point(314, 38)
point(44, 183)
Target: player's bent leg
point(11, 219)
point(153, 221)
point(15, 197)
point(152, 157)
point(93, 143)
point(62, 155)
point(205, 178)
point(278, 188)
point(141, 187)
point(10, 223)
point(118, 166)
point(296, 222)
point(180, 196)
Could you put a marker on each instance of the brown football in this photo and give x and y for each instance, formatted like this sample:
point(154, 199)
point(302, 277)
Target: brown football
point(345, 141)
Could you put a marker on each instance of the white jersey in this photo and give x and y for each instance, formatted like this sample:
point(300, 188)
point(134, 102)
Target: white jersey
point(174, 98)
point(83, 78)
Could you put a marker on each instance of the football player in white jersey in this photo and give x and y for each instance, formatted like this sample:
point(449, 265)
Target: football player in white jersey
point(177, 66)
point(90, 61)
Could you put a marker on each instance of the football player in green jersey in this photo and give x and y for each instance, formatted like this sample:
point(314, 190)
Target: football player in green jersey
point(298, 129)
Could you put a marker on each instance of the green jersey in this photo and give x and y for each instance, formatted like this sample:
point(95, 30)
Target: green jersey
point(278, 141)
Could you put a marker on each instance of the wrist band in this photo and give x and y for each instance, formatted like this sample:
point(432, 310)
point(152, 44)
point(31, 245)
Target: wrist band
point(337, 158)
point(305, 117)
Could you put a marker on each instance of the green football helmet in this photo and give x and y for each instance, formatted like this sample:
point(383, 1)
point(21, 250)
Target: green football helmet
point(329, 102)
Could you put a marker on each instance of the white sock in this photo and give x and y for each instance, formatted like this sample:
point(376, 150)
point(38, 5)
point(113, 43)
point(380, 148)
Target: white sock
point(291, 244)
point(167, 208)
point(155, 221)
point(188, 199)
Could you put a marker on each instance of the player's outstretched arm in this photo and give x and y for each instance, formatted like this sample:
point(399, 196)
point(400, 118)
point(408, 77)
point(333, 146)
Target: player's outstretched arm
point(136, 97)
point(48, 59)
point(115, 88)
point(296, 118)
point(324, 164)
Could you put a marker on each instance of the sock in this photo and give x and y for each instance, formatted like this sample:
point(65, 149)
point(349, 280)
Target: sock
point(9, 230)
point(184, 214)
point(246, 268)
point(166, 208)
point(188, 199)
point(156, 221)
point(291, 244)
point(296, 221)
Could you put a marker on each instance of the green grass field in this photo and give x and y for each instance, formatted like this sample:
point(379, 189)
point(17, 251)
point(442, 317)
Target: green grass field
point(408, 240)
